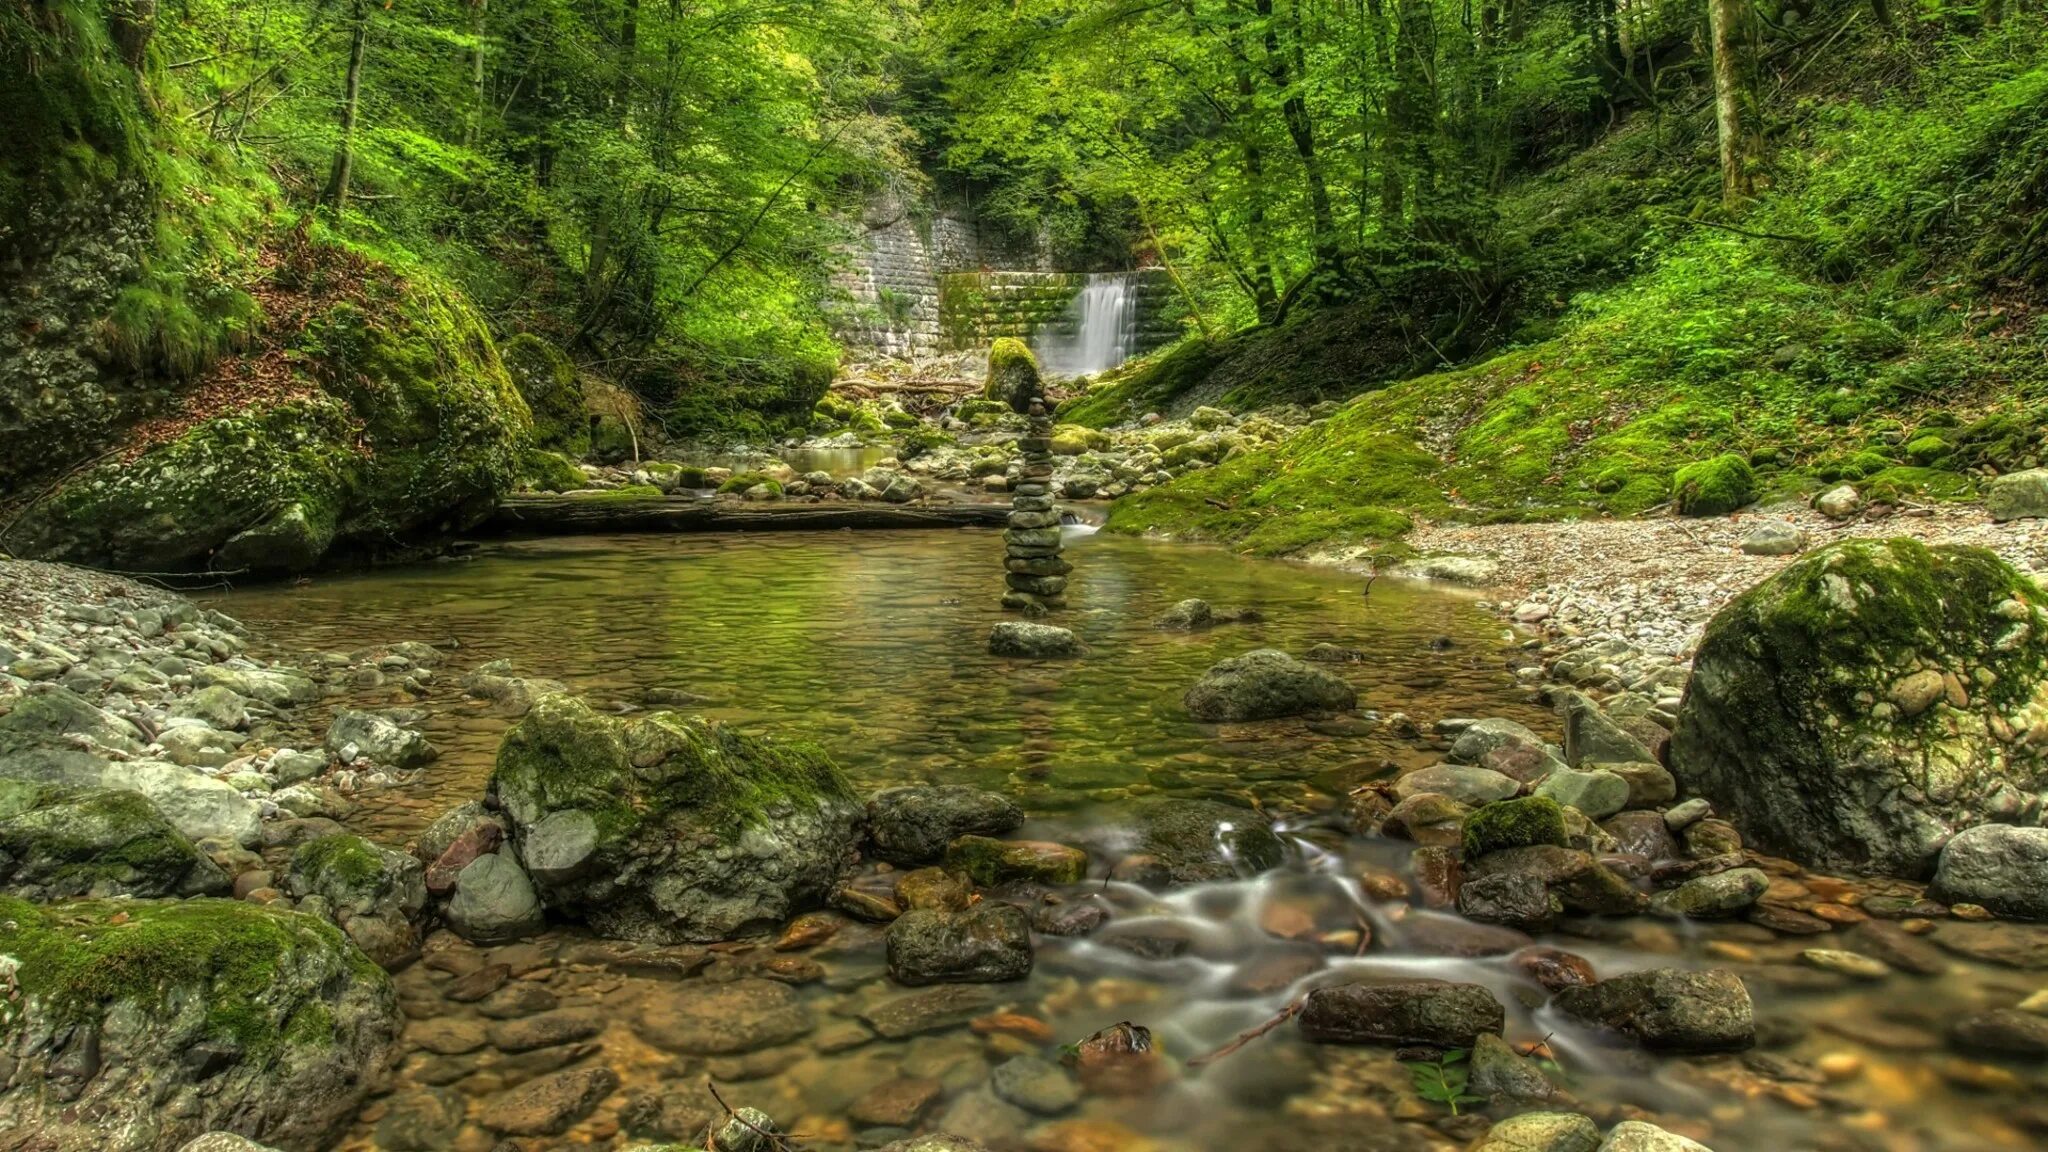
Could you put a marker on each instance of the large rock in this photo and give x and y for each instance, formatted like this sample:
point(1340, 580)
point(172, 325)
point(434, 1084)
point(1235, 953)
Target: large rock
point(1265, 684)
point(1407, 1012)
point(264, 1023)
point(1542, 1132)
point(379, 739)
point(986, 944)
point(700, 832)
point(1668, 1009)
point(1998, 866)
point(1203, 840)
point(59, 844)
point(2018, 495)
point(1857, 709)
point(1591, 738)
point(913, 824)
point(375, 894)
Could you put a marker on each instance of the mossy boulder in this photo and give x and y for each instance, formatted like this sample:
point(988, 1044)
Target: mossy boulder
point(1516, 823)
point(1197, 841)
point(1013, 376)
point(1869, 701)
point(1714, 487)
point(551, 472)
point(374, 894)
point(1266, 684)
point(546, 380)
point(141, 1024)
point(669, 829)
point(406, 425)
point(58, 843)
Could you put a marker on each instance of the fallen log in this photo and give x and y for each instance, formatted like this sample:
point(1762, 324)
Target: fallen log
point(563, 514)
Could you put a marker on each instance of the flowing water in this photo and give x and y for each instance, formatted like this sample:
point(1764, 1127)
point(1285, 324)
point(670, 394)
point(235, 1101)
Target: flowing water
point(1099, 332)
point(873, 645)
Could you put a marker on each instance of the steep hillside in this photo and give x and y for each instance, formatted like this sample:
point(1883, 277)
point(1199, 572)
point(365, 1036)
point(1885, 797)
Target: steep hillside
point(1870, 318)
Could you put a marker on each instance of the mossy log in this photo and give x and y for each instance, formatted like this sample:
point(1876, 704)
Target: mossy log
point(569, 513)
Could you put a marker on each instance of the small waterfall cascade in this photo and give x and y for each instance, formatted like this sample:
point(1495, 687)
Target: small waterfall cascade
point(1099, 331)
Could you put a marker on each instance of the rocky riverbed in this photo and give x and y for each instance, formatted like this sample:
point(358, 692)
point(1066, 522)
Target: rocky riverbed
point(1377, 882)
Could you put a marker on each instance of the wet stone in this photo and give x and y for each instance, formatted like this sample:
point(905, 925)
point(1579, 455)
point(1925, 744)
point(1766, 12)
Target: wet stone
point(701, 1018)
point(517, 999)
point(549, 1105)
point(898, 1103)
point(1035, 1085)
point(929, 1010)
point(448, 1035)
point(424, 1121)
point(546, 1030)
point(478, 984)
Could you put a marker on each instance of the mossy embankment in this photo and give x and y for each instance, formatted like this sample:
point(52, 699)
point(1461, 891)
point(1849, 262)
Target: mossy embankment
point(1871, 317)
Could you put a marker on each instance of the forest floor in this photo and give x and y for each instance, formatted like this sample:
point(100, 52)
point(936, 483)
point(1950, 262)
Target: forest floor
point(1657, 581)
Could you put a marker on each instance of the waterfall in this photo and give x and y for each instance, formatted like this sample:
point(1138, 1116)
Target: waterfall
point(1099, 331)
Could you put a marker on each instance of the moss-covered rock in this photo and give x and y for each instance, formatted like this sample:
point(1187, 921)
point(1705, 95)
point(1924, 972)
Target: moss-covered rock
point(1013, 376)
point(1863, 705)
point(142, 1024)
point(376, 895)
point(742, 481)
point(1714, 487)
point(551, 472)
point(547, 381)
point(1515, 823)
point(669, 829)
point(58, 843)
point(411, 427)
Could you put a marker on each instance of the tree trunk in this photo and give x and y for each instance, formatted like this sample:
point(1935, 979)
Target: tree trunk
point(1724, 24)
point(1265, 297)
point(1392, 173)
point(1294, 113)
point(336, 194)
point(473, 130)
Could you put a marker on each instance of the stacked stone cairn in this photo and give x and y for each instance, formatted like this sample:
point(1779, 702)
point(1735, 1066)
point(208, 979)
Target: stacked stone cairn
point(1036, 576)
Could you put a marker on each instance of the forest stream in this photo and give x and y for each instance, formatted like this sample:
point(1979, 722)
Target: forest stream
point(872, 646)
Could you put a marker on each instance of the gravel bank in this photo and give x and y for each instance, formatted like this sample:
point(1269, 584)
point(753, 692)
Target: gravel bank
point(1656, 582)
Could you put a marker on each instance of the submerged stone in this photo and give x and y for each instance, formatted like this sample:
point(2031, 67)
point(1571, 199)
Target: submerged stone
point(1266, 684)
point(914, 824)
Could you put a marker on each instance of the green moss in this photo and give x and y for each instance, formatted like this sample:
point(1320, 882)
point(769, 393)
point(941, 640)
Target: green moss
point(691, 476)
point(1714, 487)
point(551, 472)
point(1012, 375)
point(626, 773)
point(741, 481)
point(623, 492)
point(1906, 600)
point(989, 862)
point(341, 861)
point(1517, 823)
point(79, 957)
point(547, 381)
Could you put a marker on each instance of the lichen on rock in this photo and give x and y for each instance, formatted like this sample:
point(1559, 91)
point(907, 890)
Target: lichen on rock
point(693, 831)
point(1868, 702)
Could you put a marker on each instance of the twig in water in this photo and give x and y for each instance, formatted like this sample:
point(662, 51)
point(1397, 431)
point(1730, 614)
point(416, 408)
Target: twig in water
point(776, 1140)
point(1292, 1010)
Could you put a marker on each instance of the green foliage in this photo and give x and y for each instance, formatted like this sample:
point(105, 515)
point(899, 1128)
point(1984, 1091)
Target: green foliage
point(1442, 1080)
point(741, 481)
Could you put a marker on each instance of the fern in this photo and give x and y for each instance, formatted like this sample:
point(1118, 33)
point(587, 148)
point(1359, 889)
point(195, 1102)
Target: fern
point(1442, 1081)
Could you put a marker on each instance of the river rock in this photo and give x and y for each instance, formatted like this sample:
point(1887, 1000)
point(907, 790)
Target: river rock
point(1668, 1009)
point(1650, 784)
point(1718, 894)
point(1032, 641)
point(1197, 841)
point(494, 901)
point(701, 831)
point(1186, 616)
point(2003, 1032)
point(1999, 867)
point(1773, 540)
point(1541, 1132)
point(549, 1105)
point(1500, 1073)
point(1436, 1013)
point(914, 824)
point(701, 1018)
point(1580, 882)
point(1516, 899)
point(2017, 495)
point(1465, 784)
point(931, 1009)
point(121, 1009)
point(58, 843)
point(1035, 1085)
point(1591, 738)
point(1796, 722)
point(1266, 684)
point(1481, 737)
point(987, 944)
point(1637, 1136)
point(1598, 793)
point(379, 739)
point(225, 1142)
point(991, 862)
point(375, 894)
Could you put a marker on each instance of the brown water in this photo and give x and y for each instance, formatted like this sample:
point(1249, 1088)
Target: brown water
point(873, 645)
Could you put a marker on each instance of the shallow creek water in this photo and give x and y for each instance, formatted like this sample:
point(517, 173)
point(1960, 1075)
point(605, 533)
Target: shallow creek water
point(873, 645)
